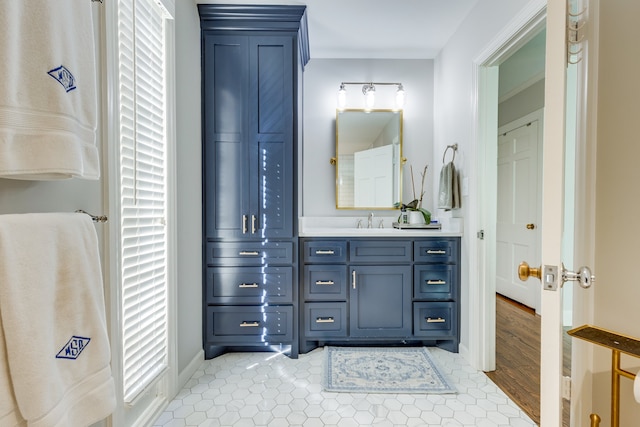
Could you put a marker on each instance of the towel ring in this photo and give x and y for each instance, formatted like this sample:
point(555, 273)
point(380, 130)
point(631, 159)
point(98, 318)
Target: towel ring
point(454, 147)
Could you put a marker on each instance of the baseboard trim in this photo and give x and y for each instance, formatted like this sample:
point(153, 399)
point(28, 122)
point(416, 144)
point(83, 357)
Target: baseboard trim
point(185, 375)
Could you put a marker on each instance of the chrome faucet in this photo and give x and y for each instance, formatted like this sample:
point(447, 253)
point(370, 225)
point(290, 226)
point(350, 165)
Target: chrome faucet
point(370, 221)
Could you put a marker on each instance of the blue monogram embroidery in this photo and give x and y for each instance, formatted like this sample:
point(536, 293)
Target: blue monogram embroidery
point(73, 348)
point(64, 77)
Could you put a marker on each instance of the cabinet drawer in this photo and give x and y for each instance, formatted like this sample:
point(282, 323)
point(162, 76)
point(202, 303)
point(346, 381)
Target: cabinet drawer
point(249, 325)
point(325, 282)
point(249, 253)
point(436, 250)
point(325, 251)
point(325, 320)
point(249, 285)
point(380, 251)
point(434, 281)
point(435, 319)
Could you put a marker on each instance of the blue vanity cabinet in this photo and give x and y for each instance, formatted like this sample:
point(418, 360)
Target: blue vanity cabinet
point(385, 291)
point(436, 291)
point(252, 57)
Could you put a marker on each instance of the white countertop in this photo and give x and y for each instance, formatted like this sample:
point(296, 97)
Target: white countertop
point(347, 227)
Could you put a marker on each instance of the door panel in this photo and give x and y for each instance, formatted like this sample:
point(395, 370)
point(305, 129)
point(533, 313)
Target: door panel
point(518, 209)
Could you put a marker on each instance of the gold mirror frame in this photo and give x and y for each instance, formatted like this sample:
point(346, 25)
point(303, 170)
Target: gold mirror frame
point(368, 141)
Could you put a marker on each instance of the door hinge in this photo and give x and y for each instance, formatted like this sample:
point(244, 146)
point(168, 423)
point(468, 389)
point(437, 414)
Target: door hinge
point(480, 234)
point(566, 388)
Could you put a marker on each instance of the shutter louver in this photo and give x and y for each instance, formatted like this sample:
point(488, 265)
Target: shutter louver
point(142, 87)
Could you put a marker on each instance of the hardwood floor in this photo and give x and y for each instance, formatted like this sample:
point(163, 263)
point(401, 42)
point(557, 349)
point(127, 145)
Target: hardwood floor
point(518, 356)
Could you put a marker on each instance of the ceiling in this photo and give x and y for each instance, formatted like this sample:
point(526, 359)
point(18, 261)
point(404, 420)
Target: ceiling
point(394, 29)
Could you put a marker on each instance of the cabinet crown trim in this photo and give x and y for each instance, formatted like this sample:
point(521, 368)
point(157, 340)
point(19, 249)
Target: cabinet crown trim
point(237, 17)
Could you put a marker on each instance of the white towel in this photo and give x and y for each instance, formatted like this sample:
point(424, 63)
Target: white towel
point(47, 90)
point(53, 319)
point(449, 190)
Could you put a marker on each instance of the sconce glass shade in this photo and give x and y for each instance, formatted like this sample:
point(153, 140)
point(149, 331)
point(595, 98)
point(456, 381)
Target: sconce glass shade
point(342, 97)
point(400, 97)
point(369, 95)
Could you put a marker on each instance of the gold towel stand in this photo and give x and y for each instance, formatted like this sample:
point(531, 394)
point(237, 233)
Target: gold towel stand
point(618, 344)
point(101, 218)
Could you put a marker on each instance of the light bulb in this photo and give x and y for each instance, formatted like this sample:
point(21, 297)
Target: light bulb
point(342, 97)
point(400, 97)
point(369, 96)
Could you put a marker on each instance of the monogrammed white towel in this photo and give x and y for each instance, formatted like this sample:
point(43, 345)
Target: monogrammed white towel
point(53, 320)
point(48, 98)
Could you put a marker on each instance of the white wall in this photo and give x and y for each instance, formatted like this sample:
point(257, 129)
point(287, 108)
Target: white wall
point(322, 80)
point(189, 187)
point(617, 176)
point(455, 119)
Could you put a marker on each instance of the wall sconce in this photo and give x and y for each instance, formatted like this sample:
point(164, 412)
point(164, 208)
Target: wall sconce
point(369, 92)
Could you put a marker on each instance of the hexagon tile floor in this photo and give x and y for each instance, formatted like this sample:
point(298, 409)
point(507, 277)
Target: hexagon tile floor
point(271, 390)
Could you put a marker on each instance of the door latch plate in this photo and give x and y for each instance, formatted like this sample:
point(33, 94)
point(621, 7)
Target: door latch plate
point(550, 278)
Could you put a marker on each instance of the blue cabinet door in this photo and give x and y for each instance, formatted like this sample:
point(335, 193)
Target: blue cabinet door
point(225, 143)
point(380, 301)
point(249, 136)
point(271, 66)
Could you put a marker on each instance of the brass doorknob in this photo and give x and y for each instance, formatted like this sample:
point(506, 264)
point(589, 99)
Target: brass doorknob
point(524, 271)
point(531, 226)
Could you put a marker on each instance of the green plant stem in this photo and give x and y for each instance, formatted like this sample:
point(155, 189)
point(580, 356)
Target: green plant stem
point(413, 185)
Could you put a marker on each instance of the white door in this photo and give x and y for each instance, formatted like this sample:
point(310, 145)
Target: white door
point(552, 216)
point(373, 177)
point(517, 231)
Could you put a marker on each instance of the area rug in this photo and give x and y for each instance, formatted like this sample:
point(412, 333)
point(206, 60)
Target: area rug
point(383, 370)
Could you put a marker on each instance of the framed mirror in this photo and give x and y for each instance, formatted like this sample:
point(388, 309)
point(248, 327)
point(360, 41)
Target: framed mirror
point(368, 159)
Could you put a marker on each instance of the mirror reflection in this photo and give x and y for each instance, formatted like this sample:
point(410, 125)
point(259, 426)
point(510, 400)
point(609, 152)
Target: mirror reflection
point(368, 159)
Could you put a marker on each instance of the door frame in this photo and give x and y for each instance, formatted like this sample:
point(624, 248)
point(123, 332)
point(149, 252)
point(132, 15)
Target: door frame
point(482, 288)
point(482, 334)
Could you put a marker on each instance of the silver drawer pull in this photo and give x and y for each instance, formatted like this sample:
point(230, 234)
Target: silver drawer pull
point(325, 252)
point(244, 224)
point(249, 253)
point(325, 320)
point(249, 324)
point(436, 252)
point(435, 320)
point(248, 285)
point(325, 282)
point(436, 282)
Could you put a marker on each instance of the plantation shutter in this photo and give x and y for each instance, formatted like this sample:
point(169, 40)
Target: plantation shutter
point(142, 87)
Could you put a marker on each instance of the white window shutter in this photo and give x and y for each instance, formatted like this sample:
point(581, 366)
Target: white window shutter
point(143, 136)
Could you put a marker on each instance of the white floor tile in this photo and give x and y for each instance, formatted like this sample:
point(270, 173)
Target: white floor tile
point(271, 390)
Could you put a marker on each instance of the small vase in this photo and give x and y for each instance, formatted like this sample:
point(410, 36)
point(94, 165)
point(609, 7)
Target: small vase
point(415, 217)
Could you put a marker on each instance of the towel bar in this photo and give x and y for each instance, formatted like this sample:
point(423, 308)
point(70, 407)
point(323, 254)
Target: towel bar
point(101, 218)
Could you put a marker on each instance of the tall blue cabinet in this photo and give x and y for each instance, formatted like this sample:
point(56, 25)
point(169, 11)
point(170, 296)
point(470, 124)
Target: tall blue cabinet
point(252, 60)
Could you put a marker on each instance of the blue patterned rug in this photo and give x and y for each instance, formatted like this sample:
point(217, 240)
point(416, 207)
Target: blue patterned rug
point(383, 370)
